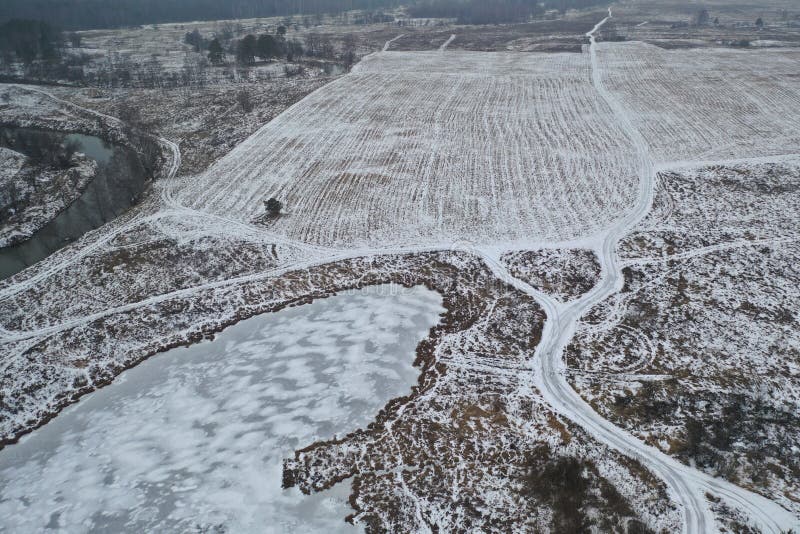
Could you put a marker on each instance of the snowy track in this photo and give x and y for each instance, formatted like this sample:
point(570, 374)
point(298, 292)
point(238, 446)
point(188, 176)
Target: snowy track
point(711, 249)
point(686, 485)
point(447, 42)
point(390, 41)
point(386, 144)
point(337, 176)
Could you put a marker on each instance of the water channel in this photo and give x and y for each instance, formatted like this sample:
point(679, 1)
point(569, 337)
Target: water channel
point(118, 185)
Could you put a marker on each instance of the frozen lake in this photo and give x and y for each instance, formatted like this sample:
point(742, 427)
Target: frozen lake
point(192, 440)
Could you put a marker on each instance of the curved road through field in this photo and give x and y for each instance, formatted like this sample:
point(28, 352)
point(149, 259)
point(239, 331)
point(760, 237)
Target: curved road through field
point(686, 485)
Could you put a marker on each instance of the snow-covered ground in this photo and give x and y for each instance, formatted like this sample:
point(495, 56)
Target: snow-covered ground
point(488, 148)
point(707, 104)
point(10, 164)
point(563, 273)
point(433, 148)
point(34, 195)
point(413, 153)
point(704, 330)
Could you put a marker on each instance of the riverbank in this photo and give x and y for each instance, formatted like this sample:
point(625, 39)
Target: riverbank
point(32, 195)
point(73, 184)
point(56, 202)
point(30, 107)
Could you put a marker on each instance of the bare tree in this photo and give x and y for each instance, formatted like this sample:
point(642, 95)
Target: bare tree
point(273, 207)
point(349, 45)
point(243, 98)
point(312, 44)
point(326, 49)
point(215, 53)
point(701, 17)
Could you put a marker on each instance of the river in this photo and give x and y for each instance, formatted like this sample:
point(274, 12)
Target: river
point(118, 185)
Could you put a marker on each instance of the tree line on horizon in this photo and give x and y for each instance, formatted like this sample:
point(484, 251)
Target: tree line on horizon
point(95, 14)
point(494, 12)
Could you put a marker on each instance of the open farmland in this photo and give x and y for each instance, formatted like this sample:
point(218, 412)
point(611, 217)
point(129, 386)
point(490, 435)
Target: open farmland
point(673, 24)
point(617, 348)
point(430, 147)
point(702, 104)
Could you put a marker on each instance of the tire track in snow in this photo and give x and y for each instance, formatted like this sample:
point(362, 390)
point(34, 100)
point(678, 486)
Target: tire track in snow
point(390, 41)
point(699, 164)
point(702, 251)
point(447, 42)
point(330, 256)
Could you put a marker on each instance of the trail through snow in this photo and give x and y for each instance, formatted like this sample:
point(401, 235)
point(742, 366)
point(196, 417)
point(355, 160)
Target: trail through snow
point(447, 42)
point(686, 485)
point(388, 43)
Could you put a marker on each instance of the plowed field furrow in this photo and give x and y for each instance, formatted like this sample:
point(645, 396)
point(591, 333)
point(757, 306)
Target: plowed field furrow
point(483, 148)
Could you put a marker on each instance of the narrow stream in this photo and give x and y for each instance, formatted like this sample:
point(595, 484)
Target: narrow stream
point(192, 440)
point(118, 185)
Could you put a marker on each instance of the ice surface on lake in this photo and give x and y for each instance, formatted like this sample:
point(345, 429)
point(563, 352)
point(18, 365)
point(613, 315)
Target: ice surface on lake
point(193, 439)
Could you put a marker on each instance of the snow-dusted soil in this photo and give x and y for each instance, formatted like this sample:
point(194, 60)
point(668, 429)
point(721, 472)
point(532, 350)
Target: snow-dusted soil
point(698, 353)
point(723, 205)
point(33, 196)
point(10, 164)
point(415, 153)
point(562, 273)
point(707, 104)
point(198, 434)
point(482, 148)
point(148, 259)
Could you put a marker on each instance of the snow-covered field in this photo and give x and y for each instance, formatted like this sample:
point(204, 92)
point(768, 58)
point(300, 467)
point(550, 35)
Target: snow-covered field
point(488, 154)
point(707, 104)
point(430, 147)
point(490, 147)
